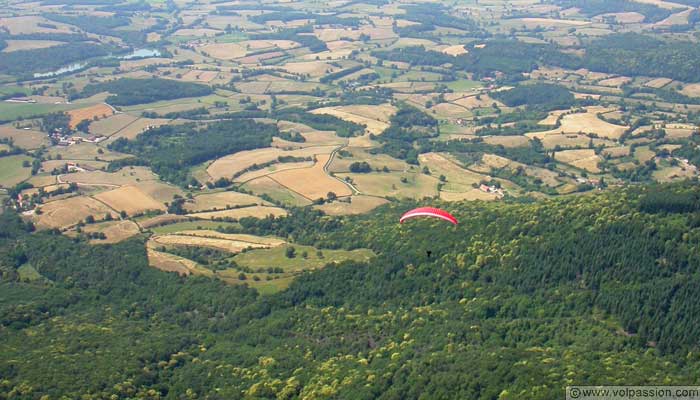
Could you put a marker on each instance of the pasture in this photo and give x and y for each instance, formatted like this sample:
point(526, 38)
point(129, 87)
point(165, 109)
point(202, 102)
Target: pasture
point(265, 185)
point(222, 200)
point(238, 213)
point(12, 171)
point(313, 182)
point(585, 159)
point(130, 199)
point(395, 184)
point(352, 205)
point(68, 212)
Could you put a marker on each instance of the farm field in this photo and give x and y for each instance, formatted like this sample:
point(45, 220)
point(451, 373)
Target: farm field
point(98, 111)
point(129, 199)
point(352, 205)
point(12, 171)
point(222, 200)
point(238, 213)
point(65, 213)
point(312, 183)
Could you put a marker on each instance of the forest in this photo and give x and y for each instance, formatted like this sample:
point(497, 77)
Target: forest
point(25, 62)
point(555, 290)
point(592, 8)
point(130, 91)
point(169, 150)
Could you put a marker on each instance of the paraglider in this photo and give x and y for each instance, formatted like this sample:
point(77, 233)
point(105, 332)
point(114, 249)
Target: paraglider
point(429, 212)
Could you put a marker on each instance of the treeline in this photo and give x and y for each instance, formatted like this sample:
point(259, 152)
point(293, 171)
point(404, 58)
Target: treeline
point(591, 8)
point(24, 63)
point(634, 54)
point(102, 26)
point(319, 19)
point(340, 74)
point(321, 122)
point(430, 16)
point(507, 56)
point(171, 150)
point(302, 35)
point(542, 96)
point(129, 91)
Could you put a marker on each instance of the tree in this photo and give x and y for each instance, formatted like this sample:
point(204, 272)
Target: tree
point(290, 252)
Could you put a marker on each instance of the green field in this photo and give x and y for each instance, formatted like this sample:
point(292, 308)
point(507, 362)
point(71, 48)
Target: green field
point(11, 170)
point(463, 85)
point(190, 225)
point(13, 111)
point(275, 257)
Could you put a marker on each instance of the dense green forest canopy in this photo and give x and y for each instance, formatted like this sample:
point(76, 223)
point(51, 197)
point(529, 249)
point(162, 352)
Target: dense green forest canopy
point(169, 150)
point(541, 96)
point(129, 91)
point(634, 54)
point(26, 62)
point(591, 8)
point(535, 296)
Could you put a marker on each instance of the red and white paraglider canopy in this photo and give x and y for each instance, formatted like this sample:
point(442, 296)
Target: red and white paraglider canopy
point(429, 212)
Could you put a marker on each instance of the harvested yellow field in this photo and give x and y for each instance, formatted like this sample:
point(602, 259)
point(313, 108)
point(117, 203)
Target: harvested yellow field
point(691, 90)
point(199, 76)
point(14, 45)
point(130, 199)
point(265, 185)
point(490, 162)
point(458, 178)
point(222, 200)
point(507, 141)
point(98, 111)
point(471, 195)
point(231, 246)
point(357, 205)
point(455, 50)
point(615, 82)
point(619, 151)
point(132, 130)
point(252, 175)
point(111, 125)
point(160, 191)
point(228, 166)
point(68, 212)
point(224, 51)
point(30, 24)
point(259, 240)
point(584, 159)
point(26, 139)
point(658, 83)
point(375, 118)
point(238, 213)
point(125, 176)
point(448, 110)
point(312, 183)
point(587, 122)
point(257, 58)
point(116, 231)
point(172, 263)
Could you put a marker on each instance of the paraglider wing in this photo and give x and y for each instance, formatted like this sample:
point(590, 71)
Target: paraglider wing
point(429, 212)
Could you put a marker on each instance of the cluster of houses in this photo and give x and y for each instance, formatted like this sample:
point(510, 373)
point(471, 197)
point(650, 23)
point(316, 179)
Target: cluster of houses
point(492, 189)
point(65, 140)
